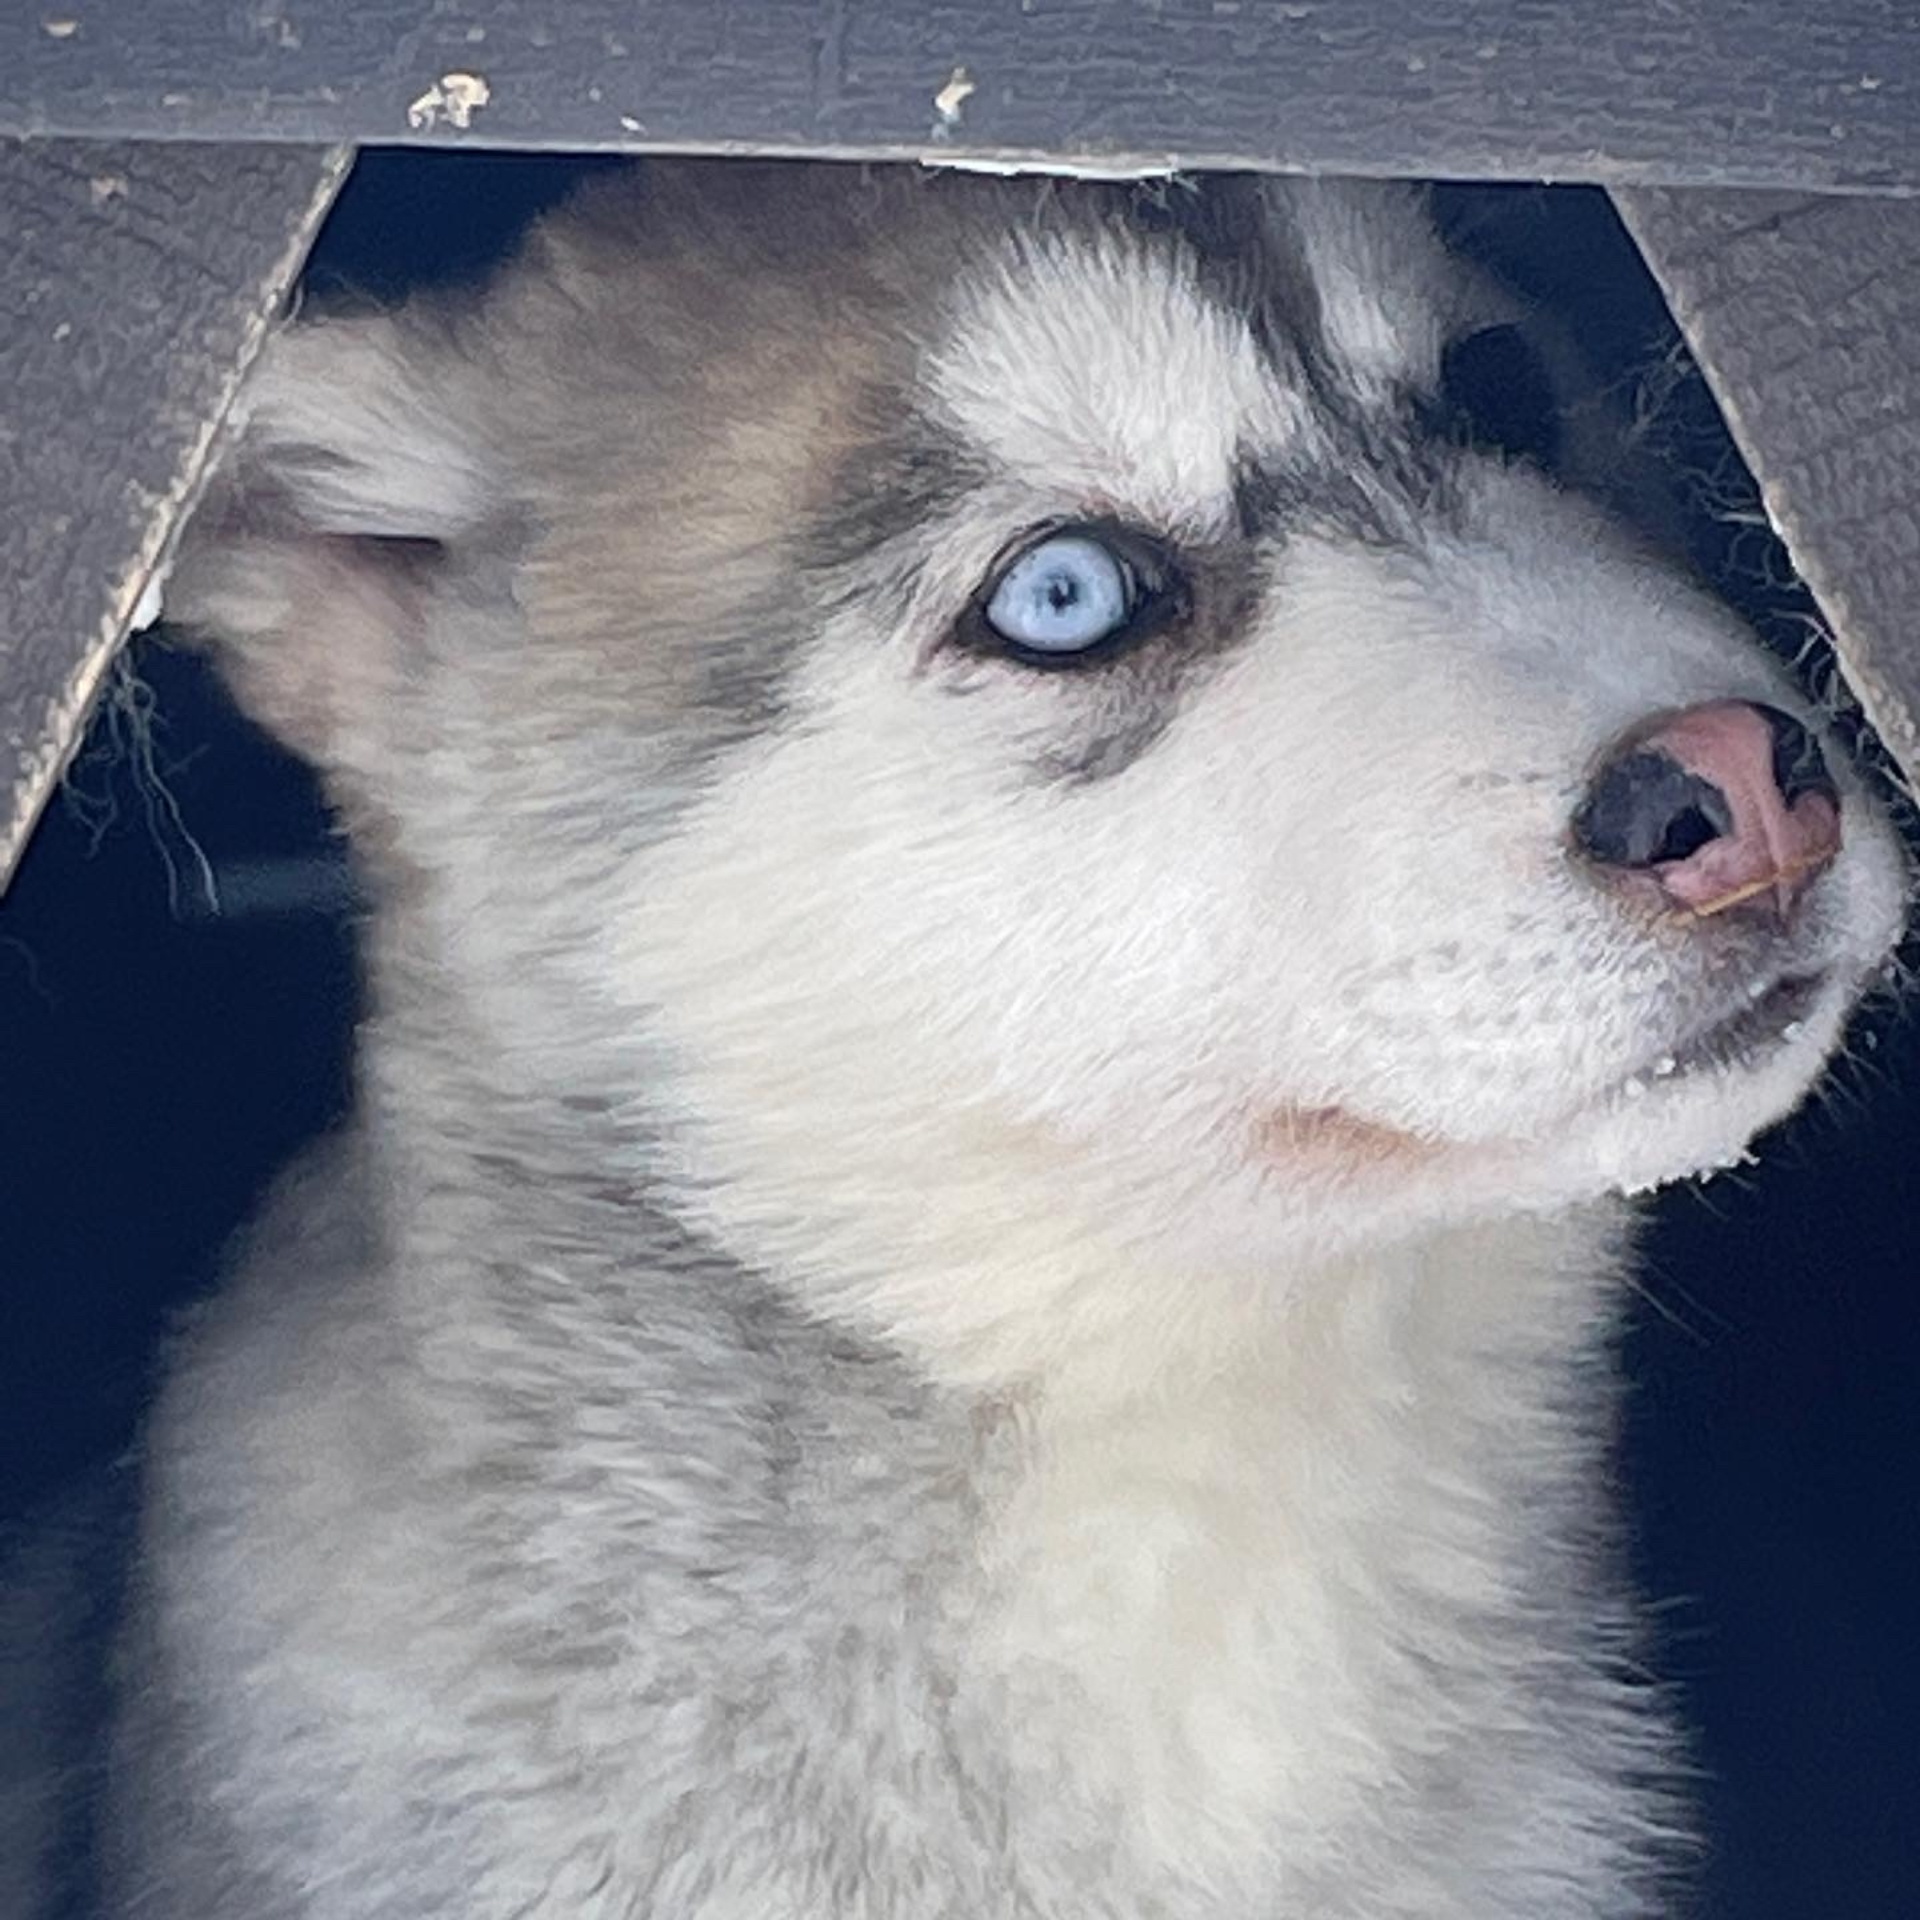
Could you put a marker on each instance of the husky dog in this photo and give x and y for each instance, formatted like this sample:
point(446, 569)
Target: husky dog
point(1031, 904)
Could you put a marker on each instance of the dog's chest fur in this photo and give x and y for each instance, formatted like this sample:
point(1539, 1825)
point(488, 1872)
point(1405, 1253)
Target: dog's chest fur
point(668, 1601)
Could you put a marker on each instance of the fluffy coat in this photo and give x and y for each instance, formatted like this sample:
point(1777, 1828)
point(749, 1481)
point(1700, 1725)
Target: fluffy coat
point(960, 1287)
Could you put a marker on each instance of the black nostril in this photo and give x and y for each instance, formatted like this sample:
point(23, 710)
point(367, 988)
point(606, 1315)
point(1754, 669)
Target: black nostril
point(1799, 767)
point(1686, 833)
point(1646, 809)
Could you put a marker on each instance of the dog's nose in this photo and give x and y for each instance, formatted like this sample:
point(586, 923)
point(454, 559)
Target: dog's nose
point(1719, 806)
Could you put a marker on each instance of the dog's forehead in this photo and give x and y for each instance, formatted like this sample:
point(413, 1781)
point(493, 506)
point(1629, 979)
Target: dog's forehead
point(1094, 366)
point(1135, 370)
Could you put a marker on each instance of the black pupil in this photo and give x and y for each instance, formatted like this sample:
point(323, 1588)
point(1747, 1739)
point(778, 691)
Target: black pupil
point(1063, 591)
point(1495, 393)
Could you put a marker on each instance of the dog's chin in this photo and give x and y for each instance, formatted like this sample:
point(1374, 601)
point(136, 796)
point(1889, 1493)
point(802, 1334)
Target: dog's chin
point(1700, 1097)
point(1698, 1106)
point(1693, 1106)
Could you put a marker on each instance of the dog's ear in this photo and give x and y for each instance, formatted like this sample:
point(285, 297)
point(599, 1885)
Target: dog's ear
point(355, 464)
point(358, 426)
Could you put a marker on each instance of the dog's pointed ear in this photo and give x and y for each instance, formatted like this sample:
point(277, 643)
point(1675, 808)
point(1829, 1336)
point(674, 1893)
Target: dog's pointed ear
point(354, 463)
point(358, 427)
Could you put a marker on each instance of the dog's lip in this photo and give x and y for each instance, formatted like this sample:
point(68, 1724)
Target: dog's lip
point(1764, 1020)
point(1767, 1018)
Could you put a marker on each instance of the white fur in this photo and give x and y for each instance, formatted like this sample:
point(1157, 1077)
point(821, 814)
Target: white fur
point(901, 1337)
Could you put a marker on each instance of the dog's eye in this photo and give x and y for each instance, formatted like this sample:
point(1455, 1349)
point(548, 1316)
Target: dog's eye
point(1064, 596)
point(1495, 392)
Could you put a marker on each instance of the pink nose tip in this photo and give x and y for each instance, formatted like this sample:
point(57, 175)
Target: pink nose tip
point(1718, 806)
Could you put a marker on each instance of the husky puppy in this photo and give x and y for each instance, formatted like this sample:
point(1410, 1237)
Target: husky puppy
point(1031, 904)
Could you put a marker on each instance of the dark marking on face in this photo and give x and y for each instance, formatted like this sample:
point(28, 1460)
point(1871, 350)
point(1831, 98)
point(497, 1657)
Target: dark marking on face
point(1369, 482)
point(1109, 748)
point(742, 687)
point(1245, 259)
point(1277, 498)
point(902, 473)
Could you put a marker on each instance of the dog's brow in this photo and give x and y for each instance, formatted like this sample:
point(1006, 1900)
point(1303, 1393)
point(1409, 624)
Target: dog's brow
point(908, 472)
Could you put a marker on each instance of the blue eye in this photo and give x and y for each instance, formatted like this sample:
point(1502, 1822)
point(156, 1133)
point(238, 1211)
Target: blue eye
point(1063, 596)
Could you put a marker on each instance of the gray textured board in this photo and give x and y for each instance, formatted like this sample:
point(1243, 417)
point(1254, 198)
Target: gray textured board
point(138, 283)
point(1804, 314)
point(1757, 92)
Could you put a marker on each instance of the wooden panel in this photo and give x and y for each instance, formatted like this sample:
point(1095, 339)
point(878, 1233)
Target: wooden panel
point(1758, 92)
point(138, 284)
point(1804, 314)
